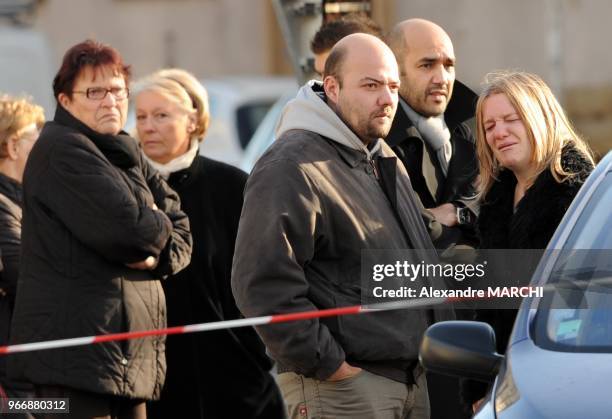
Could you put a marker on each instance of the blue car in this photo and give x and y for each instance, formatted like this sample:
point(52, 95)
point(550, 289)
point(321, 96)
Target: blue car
point(558, 363)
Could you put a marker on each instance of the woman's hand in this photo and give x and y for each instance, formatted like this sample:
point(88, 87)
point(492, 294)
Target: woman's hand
point(150, 262)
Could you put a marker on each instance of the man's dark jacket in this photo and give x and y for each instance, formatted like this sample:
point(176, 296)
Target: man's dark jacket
point(408, 144)
point(456, 188)
point(88, 211)
point(312, 206)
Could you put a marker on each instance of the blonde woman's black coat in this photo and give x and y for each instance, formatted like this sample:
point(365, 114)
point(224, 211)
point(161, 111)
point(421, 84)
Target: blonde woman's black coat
point(221, 374)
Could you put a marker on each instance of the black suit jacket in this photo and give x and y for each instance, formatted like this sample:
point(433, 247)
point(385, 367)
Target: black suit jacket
point(408, 144)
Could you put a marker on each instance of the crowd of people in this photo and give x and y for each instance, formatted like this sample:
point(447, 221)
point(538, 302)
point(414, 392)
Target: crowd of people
point(105, 232)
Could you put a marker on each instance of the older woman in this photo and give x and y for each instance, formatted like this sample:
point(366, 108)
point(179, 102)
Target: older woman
point(532, 164)
point(20, 124)
point(222, 374)
point(101, 227)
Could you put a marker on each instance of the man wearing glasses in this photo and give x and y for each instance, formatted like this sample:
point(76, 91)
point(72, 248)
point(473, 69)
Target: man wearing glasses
point(100, 229)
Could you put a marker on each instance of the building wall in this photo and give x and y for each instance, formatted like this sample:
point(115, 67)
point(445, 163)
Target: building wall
point(207, 37)
point(564, 41)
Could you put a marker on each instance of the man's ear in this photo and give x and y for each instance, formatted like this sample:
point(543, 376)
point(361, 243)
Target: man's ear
point(332, 88)
point(63, 99)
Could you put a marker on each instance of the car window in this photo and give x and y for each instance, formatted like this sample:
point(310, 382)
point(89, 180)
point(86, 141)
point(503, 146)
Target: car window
point(593, 229)
point(577, 317)
point(249, 116)
point(264, 134)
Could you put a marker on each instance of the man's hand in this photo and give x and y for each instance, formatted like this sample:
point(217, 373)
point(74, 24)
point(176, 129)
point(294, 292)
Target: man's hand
point(147, 264)
point(446, 214)
point(345, 371)
point(2, 293)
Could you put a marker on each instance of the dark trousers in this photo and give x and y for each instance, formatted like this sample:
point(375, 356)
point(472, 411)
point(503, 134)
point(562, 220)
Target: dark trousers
point(86, 405)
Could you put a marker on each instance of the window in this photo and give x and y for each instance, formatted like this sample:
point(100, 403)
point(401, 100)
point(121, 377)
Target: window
point(577, 317)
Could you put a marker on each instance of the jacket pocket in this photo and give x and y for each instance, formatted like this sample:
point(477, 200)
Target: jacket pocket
point(378, 336)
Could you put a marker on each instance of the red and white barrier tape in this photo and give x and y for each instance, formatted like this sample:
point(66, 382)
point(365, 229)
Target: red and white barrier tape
point(226, 324)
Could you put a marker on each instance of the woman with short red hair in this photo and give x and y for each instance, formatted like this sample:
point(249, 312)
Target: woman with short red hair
point(101, 228)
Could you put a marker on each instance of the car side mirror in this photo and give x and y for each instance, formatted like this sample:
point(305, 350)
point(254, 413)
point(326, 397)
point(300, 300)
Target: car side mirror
point(461, 348)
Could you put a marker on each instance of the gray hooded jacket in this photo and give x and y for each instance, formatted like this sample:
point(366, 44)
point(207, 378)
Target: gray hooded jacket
point(313, 202)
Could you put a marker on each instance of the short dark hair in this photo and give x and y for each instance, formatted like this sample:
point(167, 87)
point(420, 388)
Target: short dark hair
point(331, 32)
point(333, 64)
point(89, 53)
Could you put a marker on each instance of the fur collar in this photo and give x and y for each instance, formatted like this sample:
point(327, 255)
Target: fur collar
point(539, 212)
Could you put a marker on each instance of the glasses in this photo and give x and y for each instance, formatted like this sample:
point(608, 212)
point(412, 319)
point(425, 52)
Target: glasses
point(99, 93)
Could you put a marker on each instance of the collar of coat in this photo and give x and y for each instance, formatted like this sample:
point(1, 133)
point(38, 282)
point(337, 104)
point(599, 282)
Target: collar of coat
point(538, 212)
point(461, 108)
point(12, 189)
point(121, 149)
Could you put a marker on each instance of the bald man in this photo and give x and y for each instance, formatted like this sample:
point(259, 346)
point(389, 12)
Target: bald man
point(430, 136)
point(326, 190)
point(429, 133)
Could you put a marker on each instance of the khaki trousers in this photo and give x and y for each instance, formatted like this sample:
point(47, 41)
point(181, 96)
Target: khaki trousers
point(363, 396)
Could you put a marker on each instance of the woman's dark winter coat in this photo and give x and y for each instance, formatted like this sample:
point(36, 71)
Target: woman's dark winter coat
point(531, 226)
point(10, 243)
point(221, 374)
point(88, 211)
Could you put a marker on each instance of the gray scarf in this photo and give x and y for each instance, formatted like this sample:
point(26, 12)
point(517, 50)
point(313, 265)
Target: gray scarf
point(435, 132)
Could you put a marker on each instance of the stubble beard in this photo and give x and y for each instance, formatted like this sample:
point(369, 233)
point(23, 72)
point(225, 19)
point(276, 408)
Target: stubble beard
point(418, 102)
point(375, 131)
point(365, 127)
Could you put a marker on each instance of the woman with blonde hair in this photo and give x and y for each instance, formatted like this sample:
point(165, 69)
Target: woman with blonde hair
point(546, 141)
point(20, 124)
point(221, 374)
point(532, 164)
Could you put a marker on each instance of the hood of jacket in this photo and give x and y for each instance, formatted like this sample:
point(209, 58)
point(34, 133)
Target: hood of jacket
point(309, 111)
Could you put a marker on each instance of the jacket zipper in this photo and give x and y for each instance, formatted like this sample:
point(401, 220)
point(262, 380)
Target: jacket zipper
point(374, 168)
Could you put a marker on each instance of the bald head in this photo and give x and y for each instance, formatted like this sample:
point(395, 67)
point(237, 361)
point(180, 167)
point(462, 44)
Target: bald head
point(361, 81)
point(358, 47)
point(426, 58)
point(413, 32)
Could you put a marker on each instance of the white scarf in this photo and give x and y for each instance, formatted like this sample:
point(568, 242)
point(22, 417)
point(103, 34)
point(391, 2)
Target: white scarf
point(179, 163)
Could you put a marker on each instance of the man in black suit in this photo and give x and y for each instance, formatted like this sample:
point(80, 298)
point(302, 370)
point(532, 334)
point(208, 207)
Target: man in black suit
point(429, 133)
